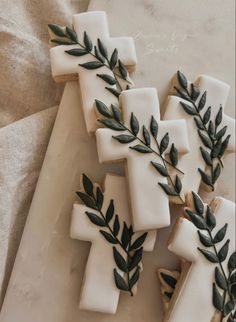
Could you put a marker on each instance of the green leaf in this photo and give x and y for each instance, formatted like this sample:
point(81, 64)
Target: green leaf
point(205, 240)
point(164, 143)
point(120, 261)
point(76, 52)
point(116, 226)
point(217, 298)
point(87, 200)
point(198, 204)
point(207, 115)
point(209, 255)
point(211, 128)
point(182, 80)
point(233, 278)
point(64, 41)
point(210, 218)
point(113, 91)
point(205, 178)
point(98, 55)
point(205, 139)
point(141, 148)
point(114, 58)
point(206, 156)
point(125, 236)
point(88, 42)
point(136, 259)
point(181, 93)
point(102, 48)
point(138, 242)
point(107, 78)
point(224, 145)
point(199, 124)
point(92, 65)
point(120, 282)
point(99, 198)
point(112, 124)
point(169, 280)
point(219, 117)
point(116, 113)
point(72, 34)
point(174, 157)
point(110, 212)
point(223, 252)
point(103, 109)
point(160, 168)
point(202, 101)
point(216, 149)
point(122, 70)
point(134, 124)
point(216, 173)
point(194, 92)
point(108, 237)
point(230, 318)
point(168, 294)
point(170, 191)
point(220, 280)
point(232, 262)
point(96, 220)
point(135, 277)
point(221, 132)
point(124, 138)
point(88, 185)
point(228, 307)
point(57, 30)
point(188, 108)
point(178, 184)
point(197, 220)
point(146, 136)
point(154, 127)
point(220, 235)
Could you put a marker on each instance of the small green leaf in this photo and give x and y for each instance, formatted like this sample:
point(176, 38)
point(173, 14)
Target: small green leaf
point(116, 226)
point(135, 277)
point(207, 115)
point(120, 282)
point(88, 42)
point(138, 242)
point(92, 65)
point(112, 124)
point(202, 101)
point(57, 30)
point(61, 41)
point(220, 235)
point(205, 139)
point(219, 117)
point(224, 145)
point(103, 109)
point(134, 124)
point(181, 93)
point(107, 78)
point(125, 236)
point(205, 240)
point(88, 185)
point(188, 108)
point(114, 91)
point(221, 133)
point(136, 259)
point(154, 127)
point(169, 280)
point(178, 184)
point(205, 178)
point(182, 80)
point(170, 191)
point(228, 307)
point(146, 136)
point(108, 237)
point(209, 255)
point(114, 58)
point(197, 220)
point(87, 200)
point(216, 149)
point(116, 113)
point(110, 211)
point(95, 219)
point(124, 138)
point(216, 173)
point(99, 198)
point(141, 148)
point(122, 70)
point(210, 218)
point(217, 298)
point(232, 279)
point(72, 34)
point(232, 262)
point(102, 49)
point(120, 261)
point(198, 204)
point(164, 143)
point(76, 52)
point(194, 92)
point(223, 252)
point(160, 168)
point(199, 123)
point(168, 294)
point(211, 128)
point(206, 156)
point(98, 55)
point(220, 280)
point(174, 157)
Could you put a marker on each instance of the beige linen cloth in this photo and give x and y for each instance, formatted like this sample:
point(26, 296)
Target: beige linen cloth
point(27, 93)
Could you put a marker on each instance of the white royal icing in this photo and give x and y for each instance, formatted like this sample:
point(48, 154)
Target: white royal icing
point(195, 297)
point(91, 87)
point(217, 93)
point(149, 203)
point(99, 292)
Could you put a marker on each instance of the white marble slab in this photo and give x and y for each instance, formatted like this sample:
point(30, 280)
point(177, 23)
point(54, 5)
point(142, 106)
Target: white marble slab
point(196, 37)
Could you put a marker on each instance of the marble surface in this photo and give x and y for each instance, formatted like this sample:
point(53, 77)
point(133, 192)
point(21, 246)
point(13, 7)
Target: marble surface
point(46, 279)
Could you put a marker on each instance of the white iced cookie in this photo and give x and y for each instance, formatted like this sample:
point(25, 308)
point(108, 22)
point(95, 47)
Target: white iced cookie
point(193, 296)
point(217, 93)
point(66, 67)
point(149, 203)
point(99, 292)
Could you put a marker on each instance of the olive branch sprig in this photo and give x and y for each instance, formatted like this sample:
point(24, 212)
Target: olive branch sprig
point(128, 257)
point(204, 219)
point(68, 36)
point(113, 120)
point(212, 137)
